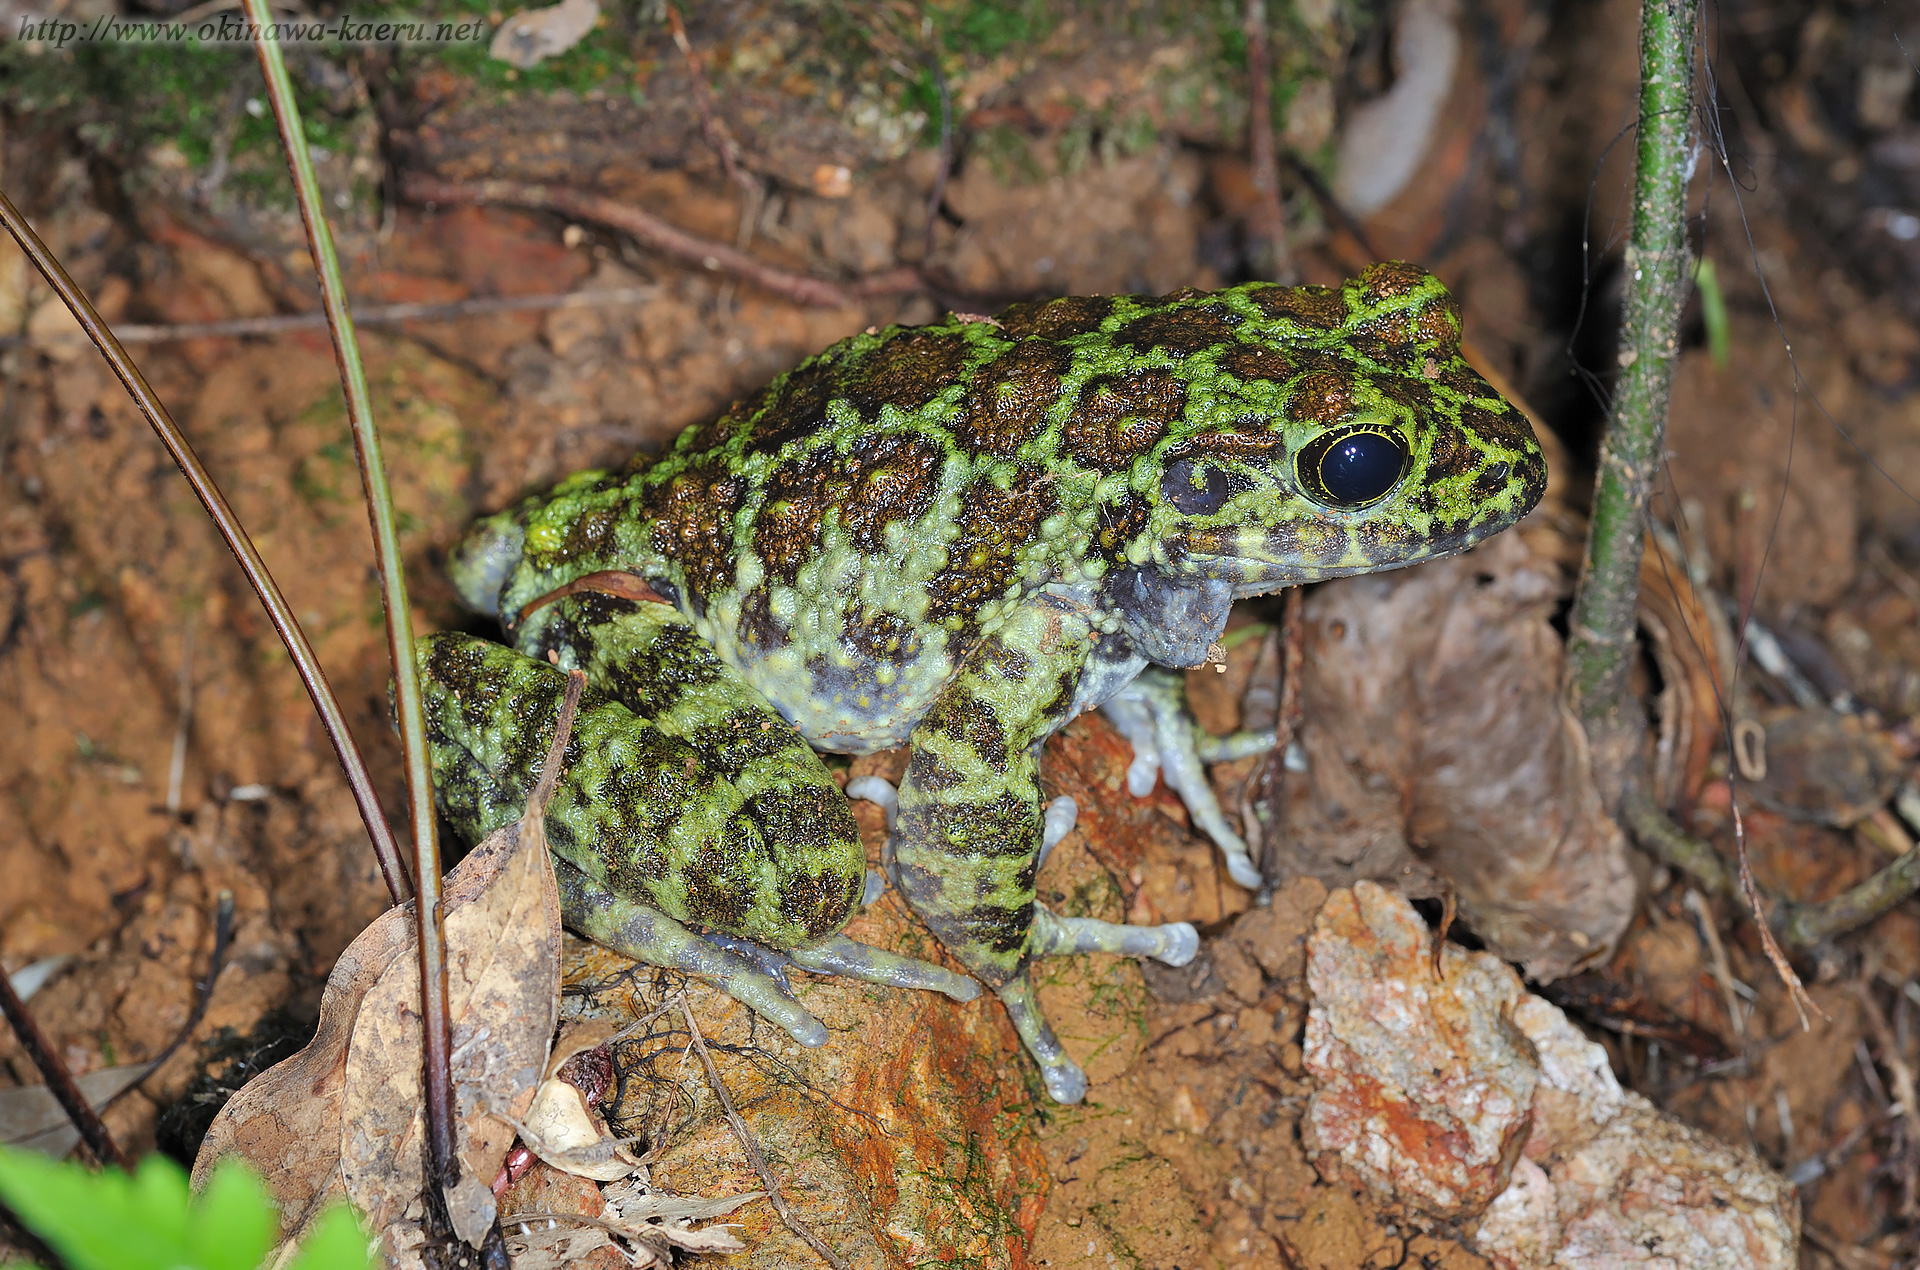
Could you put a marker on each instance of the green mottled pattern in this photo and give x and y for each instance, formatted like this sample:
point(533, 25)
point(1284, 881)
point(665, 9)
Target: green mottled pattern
point(968, 835)
point(709, 806)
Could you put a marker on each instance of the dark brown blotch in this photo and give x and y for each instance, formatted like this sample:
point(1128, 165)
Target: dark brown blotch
point(995, 526)
point(886, 479)
point(1324, 396)
point(1251, 361)
point(788, 528)
point(1060, 319)
point(759, 628)
point(1181, 332)
point(1508, 428)
point(1390, 279)
point(793, 406)
point(820, 903)
point(1317, 308)
point(1121, 521)
point(1008, 404)
point(875, 636)
point(1120, 417)
point(692, 517)
point(907, 371)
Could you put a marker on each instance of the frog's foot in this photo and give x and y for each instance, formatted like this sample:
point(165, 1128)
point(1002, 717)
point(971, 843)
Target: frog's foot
point(1053, 936)
point(1064, 1080)
point(1175, 944)
point(1151, 712)
point(646, 934)
point(850, 959)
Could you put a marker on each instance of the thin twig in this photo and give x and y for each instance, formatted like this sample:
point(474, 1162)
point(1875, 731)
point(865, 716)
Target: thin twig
point(373, 315)
point(1808, 924)
point(1702, 915)
point(436, 1019)
point(711, 129)
point(1795, 989)
point(59, 1080)
point(1671, 845)
point(279, 612)
point(1270, 223)
point(664, 238)
point(752, 1148)
point(183, 722)
point(1891, 1057)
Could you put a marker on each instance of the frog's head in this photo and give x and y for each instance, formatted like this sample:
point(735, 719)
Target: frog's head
point(1340, 432)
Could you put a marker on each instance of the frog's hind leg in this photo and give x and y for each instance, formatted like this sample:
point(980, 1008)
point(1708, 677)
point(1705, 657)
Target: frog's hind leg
point(649, 657)
point(1152, 713)
point(644, 933)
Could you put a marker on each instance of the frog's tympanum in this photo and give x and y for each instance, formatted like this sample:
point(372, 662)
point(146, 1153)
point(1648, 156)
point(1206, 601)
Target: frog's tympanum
point(954, 537)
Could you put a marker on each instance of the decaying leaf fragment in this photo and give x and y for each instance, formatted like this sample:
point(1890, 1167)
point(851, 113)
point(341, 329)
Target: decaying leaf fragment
point(345, 1116)
point(531, 36)
point(561, 1126)
point(1436, 746)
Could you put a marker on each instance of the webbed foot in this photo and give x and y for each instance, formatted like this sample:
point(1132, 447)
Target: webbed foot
point(1151, 713)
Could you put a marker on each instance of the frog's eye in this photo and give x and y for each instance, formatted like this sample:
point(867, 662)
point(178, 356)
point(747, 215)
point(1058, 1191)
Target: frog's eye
point(1194, 489)
point(1351, 468)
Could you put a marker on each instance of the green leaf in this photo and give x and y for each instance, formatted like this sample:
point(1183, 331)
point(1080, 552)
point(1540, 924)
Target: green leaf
point(235, 1222)
point(110, 1221)
point(334, 1243)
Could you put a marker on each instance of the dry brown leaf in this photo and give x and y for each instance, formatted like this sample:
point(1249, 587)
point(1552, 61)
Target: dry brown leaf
point(550, 1244)
point(286, 1121)
point(531, 36)
point(1437, 747)
point(503, 991)
point(344, 1116)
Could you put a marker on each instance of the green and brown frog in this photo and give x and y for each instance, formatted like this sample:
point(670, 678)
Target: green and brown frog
point(954, 537)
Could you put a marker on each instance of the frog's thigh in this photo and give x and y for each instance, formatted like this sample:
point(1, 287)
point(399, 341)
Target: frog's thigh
point(1151, 712)
point(761, 838)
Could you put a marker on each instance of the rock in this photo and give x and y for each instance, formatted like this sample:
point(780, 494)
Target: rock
point(1608, 1178)
point(1425, 1091)
point(1465, 1100)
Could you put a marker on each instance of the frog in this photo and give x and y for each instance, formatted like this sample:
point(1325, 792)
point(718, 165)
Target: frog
point(954, 537)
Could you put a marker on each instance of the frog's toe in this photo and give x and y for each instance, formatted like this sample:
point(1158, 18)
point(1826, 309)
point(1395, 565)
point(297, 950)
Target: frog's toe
point(875, 888)
point(1175, 943)
point(881, 793)
point(768, 961)
point(1065, 1081)
point(646, 934)
point(839, 955)
point(1057, 822)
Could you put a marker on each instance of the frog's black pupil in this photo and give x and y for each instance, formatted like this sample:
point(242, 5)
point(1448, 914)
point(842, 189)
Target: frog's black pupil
point(1360, 468)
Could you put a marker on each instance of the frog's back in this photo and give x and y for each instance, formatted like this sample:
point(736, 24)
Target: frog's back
point(840, 535)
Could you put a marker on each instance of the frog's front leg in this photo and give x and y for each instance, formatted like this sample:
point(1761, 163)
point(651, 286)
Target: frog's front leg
point(1151, 712)
point(705, 811)
point(968, 838)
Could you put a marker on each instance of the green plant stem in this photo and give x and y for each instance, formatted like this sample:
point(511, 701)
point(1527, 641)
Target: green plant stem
point(1804, 925)
point(435, 1014)
point(1600, 644)
point(279, 612)
point(1655, 831)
